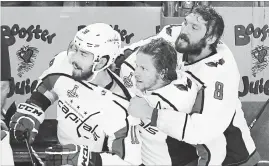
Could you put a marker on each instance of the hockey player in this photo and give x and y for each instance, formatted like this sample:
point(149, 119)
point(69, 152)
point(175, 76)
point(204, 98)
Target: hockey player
point(216, 125)
point(91, 104)
point(156, 79)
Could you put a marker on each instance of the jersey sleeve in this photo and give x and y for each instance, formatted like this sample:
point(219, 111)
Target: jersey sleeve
point(123, 142)
point(211, 114)
point(43, 95)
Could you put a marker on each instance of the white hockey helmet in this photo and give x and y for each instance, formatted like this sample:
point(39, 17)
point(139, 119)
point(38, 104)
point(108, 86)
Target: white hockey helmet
point(101, 40)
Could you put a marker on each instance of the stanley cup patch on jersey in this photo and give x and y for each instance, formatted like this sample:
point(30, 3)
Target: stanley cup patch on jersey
point(127, 80)
point(72, 93)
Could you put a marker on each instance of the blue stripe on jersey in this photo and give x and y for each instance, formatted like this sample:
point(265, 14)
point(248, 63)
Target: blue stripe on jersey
point(40, 100)
point(118, 145)
point(196, 78)
point(198, 106)
point(123, 88)
point(165, 100)
point(120, 96)
point(184, 128)
point(129, 65)
point(203, 100)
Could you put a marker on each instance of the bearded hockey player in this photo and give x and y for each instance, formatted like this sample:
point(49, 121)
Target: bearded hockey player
point(215, 125)
point(91, 104)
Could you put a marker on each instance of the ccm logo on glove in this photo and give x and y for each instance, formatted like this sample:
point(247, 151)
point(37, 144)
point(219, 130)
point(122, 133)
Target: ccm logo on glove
point(30, 109)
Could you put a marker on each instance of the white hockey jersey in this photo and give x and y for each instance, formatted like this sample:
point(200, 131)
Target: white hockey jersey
point(216, 124)
point(91, 115)
point(158, 148)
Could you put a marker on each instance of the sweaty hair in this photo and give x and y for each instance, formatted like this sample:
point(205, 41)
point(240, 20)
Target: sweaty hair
point(164, 56)
point(214, 25)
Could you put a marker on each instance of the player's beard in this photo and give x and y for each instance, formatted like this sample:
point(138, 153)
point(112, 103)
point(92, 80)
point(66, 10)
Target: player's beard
point(80, 74)
point(193, 49)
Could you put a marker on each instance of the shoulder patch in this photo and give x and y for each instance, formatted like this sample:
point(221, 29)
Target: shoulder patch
point(182, 87)
point(215, 64)
point(189, 82)
point(185, 87)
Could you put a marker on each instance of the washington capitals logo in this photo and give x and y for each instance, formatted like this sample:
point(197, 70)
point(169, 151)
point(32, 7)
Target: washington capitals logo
point(73, 93)
point(184, 87)
point(127, 81)
point(260, 59)
point(26, 55)
point(215, 64)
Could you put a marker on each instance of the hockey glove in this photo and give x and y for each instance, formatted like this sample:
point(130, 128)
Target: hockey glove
point(71, 155)
point(27, 119)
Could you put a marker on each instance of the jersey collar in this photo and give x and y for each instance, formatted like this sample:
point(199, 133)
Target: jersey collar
point(213, 56)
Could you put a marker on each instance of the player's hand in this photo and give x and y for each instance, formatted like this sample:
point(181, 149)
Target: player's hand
point(26, 121)
point(69, 154)
point(140, 108)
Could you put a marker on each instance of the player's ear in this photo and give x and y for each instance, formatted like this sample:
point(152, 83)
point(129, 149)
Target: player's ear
point(102, 62)
point(163, 73)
